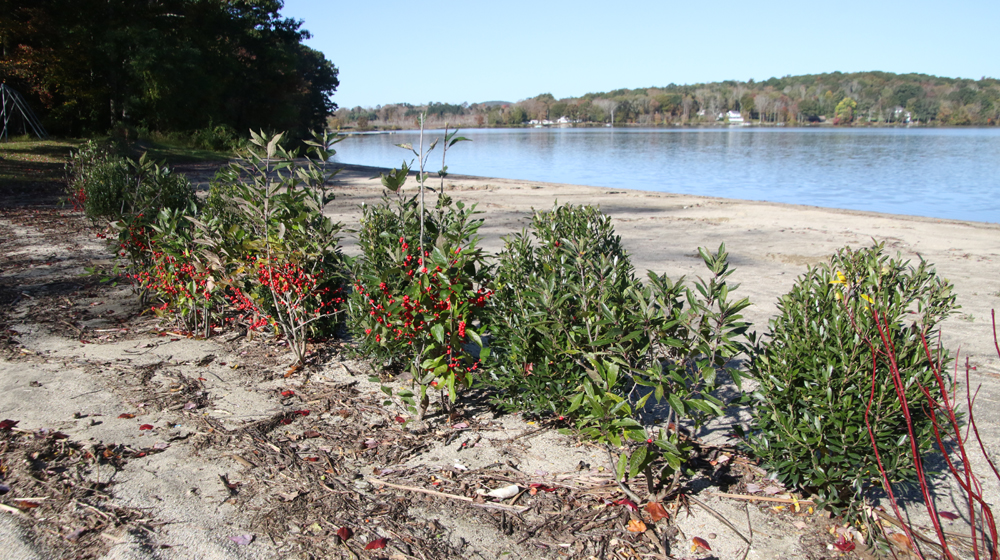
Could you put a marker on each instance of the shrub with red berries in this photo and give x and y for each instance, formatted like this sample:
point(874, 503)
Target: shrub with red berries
point(417, 303)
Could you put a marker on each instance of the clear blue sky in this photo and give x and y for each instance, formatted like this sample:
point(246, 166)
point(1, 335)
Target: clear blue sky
point(422, 51)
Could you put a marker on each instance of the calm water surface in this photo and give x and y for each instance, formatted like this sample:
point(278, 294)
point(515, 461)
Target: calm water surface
point(942, 173)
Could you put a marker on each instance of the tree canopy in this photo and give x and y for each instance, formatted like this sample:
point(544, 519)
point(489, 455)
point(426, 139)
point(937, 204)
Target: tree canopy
point(91, 65)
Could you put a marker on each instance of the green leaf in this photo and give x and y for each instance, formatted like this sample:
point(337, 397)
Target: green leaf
point(478, 340)
point(438, 332)
point(676, 404)
point(622, 465)
point(637, 462)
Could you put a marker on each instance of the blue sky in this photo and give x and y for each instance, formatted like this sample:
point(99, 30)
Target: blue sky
point(422, 51)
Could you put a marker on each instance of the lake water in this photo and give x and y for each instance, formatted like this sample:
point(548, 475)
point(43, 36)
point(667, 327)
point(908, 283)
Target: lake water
point(941, 173)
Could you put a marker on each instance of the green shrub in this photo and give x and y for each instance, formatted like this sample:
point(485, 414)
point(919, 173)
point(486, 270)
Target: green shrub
point(560, 300)
point(575, 333)
point(111, 188)
point(815, 373)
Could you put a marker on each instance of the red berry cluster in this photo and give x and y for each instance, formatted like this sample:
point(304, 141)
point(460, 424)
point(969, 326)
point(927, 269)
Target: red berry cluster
point(431, 295)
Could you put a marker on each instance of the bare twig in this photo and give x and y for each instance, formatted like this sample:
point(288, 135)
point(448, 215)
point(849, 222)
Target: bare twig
point(631, 495)
point(750, 498)
point(719, 516)
point(516, 509)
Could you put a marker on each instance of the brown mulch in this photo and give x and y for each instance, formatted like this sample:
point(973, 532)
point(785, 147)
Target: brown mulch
point(61, 489)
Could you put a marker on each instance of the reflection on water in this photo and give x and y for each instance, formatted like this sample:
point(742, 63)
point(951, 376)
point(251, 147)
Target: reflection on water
point(943, 173)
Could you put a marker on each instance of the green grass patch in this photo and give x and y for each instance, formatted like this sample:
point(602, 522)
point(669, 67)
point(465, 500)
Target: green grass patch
point(173, 154)
point(34, 166)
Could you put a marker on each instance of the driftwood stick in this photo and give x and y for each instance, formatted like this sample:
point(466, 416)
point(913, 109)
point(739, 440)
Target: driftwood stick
point(719, 516)
point(750, 498)
point(517, 509)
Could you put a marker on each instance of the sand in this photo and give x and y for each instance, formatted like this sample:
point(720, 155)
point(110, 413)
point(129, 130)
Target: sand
point(79, 377)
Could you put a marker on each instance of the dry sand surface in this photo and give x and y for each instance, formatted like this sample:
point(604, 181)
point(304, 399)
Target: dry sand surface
point(233, 467)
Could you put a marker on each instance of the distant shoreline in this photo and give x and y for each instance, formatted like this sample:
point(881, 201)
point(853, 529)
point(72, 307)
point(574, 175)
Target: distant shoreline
point(830, 125)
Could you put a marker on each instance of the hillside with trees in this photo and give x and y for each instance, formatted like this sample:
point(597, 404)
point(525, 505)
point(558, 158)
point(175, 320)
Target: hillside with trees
point(860, 98)
point(89, 66)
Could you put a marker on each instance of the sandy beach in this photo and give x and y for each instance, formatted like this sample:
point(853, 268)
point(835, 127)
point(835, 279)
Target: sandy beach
point(218, 473)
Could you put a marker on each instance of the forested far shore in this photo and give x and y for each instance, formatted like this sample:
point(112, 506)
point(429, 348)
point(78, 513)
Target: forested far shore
point(859, 98)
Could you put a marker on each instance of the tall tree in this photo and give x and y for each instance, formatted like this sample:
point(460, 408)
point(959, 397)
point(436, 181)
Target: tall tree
point(165, 64)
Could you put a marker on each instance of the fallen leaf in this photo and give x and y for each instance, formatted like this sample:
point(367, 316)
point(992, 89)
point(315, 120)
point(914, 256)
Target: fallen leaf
point(636, 526)
point(159, 446)
point(400, 419)
point(286, 421)
point(301, 412)
point(656, 511)
point(287, 393)
point(541, 488)
point(345, 533)
point(311, 459)
point(460, 425)
point(146, 427)
point(126, 416)
point(376, 544)
point(190, 406)
point(947, 515)
point(242, 539)
point(8, 424)
point(698, 542)
point(772, 490)
point(898, 539)
point(627, 503)
point(753, 488)
point(310, 434)
point(23, 504)
point(845, 545)
point(292, 370)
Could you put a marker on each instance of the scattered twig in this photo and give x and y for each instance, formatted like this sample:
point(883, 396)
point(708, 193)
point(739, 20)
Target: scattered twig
point(517, 509)
point(621, 484)
point(749, 498)
point(719, 516)
point(746, 509)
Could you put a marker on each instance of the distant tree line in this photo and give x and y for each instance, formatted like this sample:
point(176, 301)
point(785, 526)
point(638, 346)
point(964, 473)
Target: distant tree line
point(168, 65)
point(857, 98)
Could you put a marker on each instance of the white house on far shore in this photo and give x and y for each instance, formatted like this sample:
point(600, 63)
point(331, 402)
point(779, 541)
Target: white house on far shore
point(734, 117)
